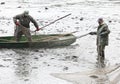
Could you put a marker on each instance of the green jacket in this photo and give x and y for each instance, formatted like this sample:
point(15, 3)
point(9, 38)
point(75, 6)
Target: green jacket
point(25, 20)
point(102, 34)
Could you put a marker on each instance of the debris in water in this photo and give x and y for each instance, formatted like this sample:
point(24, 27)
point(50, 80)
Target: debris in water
point(65, 68)
point(36, 58)
point(2, 3)
point(94, 76)
point(19, 7)
point(36, 50)
point(26, 80)
point(81, 19)
point(2, 65)
point(34, 67)
point(7, 59)
point(46, 8)
point(110, 21)
point(75, 58)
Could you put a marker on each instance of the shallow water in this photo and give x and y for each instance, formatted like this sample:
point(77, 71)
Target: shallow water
point(26, 66)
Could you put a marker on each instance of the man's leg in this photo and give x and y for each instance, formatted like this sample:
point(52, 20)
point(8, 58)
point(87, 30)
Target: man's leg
point(102, 52)
point(18, 33)
point(99, 53)
point(27, 34)
point(101, 58)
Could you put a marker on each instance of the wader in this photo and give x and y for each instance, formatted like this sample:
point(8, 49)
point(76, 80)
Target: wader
point(19, 31)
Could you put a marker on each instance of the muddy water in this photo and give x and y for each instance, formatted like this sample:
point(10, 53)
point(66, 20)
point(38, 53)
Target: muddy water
point(33, 66)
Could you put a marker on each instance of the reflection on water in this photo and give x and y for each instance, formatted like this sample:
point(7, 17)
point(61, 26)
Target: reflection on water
point(23, 67)
point(102, 78)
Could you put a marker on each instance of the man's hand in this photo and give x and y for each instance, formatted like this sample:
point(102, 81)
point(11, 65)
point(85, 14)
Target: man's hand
point(17, 23)
point(92, 33)
point(37, 29)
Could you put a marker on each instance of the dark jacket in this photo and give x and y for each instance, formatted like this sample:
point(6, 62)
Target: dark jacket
point(102, 34)
point(25, 20)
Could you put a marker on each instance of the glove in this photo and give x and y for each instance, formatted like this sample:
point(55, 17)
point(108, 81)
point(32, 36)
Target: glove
point(37, 29)
point(92, 33)
point(17, 23)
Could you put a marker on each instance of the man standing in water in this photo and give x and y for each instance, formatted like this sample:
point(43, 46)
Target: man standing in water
point(102, 39)
point(22, 22)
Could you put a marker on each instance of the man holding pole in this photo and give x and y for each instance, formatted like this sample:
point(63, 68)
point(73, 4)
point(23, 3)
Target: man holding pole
point(22, 23)
point(102, 39)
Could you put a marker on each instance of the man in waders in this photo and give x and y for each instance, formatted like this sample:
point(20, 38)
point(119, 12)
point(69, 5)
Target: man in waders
point(102, 39)
point(22, 24)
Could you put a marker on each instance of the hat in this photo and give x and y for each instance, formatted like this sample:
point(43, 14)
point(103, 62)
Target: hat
point(100, 19)
point(26, 12)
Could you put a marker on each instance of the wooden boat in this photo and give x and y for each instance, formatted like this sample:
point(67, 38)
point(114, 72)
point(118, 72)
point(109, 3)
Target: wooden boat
point(38, 41)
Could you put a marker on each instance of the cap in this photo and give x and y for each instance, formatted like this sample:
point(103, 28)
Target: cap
point(26, 12)
point(100, 19)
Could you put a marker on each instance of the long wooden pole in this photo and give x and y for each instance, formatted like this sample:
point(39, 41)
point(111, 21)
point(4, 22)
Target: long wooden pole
point(82, 35)
point(55, 20)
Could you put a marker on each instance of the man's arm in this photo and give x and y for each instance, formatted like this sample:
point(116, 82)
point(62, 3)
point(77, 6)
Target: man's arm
point(93, 33)
point(33, 21)
point(15, 18)
point(106, 31)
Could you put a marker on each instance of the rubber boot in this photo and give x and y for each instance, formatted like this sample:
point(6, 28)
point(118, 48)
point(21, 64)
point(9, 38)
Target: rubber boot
point(103, 55)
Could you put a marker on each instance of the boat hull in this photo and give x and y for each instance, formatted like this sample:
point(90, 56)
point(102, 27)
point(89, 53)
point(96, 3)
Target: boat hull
point(38, 41)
